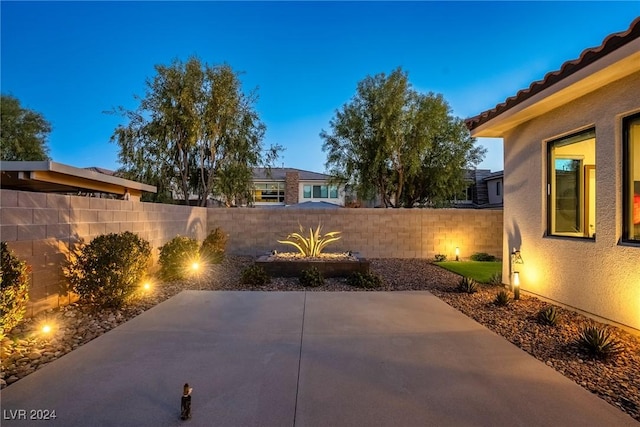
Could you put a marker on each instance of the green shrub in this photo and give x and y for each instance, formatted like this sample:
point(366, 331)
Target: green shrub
point(14, 283)
point(440, 258)
point(311, 277)
point(108, 270)
point(496, 279)
point(213, 247)
point(598, 341)
point(482, 256)
point(176, 257)
point(366, 280)
point(255, 275)
point(467, 285)
point(502, 298)
point(548, 315)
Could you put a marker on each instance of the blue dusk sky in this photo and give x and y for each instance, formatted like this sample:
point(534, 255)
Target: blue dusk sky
point(72, 61)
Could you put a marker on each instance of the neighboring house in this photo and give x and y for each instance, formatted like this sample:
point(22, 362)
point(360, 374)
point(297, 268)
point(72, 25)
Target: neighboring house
point(484, 190)
point(51, 177)
point(572, 180)
point(494, 184)
point(289, 186)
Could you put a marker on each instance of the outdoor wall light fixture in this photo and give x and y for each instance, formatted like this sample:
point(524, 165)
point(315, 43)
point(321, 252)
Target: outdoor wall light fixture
point(457, 253)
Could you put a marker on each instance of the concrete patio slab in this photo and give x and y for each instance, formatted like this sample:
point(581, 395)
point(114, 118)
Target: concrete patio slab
point(304, 359)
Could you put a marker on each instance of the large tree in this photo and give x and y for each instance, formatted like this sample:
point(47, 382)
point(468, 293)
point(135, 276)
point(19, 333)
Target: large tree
point(23, 132)
point(194, 132)
point(401, 145)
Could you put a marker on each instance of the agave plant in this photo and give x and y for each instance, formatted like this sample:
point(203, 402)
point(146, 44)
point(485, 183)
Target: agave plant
point(502, 298)
point(468, 285)
point(598, 341)
point(313, 245)
point(548, 315)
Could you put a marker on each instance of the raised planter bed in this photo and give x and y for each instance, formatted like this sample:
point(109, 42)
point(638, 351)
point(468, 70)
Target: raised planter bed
point(329, 268)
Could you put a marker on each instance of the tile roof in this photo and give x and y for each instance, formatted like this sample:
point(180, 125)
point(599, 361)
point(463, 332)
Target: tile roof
point(588, 56)
point(279, 174)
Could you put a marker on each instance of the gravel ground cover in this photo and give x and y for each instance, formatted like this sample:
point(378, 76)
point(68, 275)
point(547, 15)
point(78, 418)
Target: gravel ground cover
point(617, 381)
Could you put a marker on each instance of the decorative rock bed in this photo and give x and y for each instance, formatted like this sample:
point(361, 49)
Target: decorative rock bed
point(616, 381)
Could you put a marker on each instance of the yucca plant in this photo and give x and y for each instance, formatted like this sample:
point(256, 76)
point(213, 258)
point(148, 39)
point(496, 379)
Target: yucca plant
point(502, 298)
point(597, 341)
point(313, 245)
point(549, 315)
point(468, 285)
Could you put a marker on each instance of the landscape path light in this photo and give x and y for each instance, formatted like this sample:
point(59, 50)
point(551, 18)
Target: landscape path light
point(516, 258)
point(457, 253)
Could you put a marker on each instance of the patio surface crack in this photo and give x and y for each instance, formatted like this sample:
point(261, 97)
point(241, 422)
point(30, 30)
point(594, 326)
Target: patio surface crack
point(304, 308)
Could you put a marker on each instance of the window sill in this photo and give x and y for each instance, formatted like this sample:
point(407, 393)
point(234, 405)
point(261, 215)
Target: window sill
point(570, 238)
point(629, 243)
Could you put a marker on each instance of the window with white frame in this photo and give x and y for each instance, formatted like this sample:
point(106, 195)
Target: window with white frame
point(631, 173)
point(571, 185)
point(268, 192)
point(319, 192)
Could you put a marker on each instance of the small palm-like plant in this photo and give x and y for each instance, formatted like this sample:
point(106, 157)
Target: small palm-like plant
point(548, 315)
point(598, 341)
point(468, 285)
point(502, 298)
point(313, 245)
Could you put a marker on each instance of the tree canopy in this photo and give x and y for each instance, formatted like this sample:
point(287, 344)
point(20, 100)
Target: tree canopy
point(406, 147)
point(194, 133)
point(23, 132)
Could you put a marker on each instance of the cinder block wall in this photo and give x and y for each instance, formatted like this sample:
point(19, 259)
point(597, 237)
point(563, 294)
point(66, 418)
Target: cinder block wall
point(40, 228)
point(375, 233)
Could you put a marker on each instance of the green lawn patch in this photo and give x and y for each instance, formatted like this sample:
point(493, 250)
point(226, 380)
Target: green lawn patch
point(480, 271)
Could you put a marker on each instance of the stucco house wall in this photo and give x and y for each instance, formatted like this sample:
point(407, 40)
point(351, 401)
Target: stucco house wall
point(600, 276)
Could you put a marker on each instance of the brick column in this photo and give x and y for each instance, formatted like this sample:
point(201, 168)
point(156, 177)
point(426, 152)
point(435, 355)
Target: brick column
point(291, 188)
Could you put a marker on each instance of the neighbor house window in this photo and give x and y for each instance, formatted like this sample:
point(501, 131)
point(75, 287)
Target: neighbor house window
point(631, 171)
point(319, 191)
point(272, 192)
point(498, 188)
point(572, 185)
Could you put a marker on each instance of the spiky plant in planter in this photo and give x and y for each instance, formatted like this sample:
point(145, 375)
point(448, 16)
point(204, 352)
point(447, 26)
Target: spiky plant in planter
point(549, 315)
point(313, 245)
point(502, 298)
point(467, 285)
point(598, 342)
